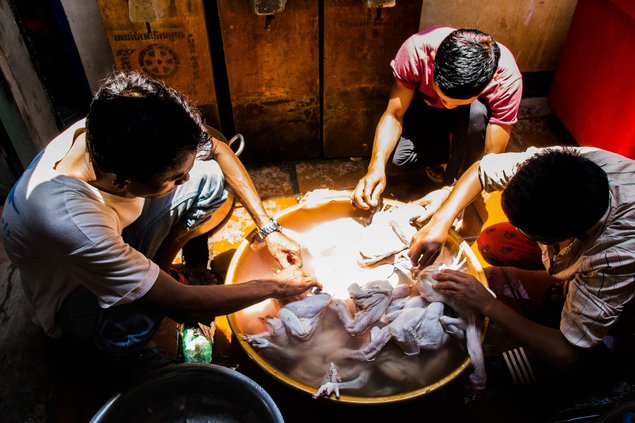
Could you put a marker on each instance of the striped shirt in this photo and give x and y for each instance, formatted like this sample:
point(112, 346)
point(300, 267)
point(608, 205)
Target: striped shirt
point(601, 268)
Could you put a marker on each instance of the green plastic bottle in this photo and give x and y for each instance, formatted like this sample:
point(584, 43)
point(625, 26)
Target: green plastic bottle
point(197, 347)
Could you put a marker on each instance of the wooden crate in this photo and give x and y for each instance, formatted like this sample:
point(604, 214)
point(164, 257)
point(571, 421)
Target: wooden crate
point(173, 49)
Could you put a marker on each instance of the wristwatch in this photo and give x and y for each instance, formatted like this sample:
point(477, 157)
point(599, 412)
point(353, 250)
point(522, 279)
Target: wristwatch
point(272, 226)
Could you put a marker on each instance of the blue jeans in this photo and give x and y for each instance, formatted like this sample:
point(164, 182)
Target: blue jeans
point(122, 329)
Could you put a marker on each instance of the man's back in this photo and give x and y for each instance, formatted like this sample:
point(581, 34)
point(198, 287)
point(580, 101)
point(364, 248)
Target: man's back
point(59, 230)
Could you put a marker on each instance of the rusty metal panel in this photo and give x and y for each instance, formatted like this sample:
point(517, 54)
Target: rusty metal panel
point(174, 48)
point(273, 73)
point(359, 43)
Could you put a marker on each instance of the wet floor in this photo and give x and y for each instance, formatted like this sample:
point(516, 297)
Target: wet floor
point(41, 382)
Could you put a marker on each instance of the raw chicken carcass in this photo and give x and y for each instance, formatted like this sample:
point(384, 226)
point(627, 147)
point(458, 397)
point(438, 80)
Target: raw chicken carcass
point(275, 334)
point(332, 383)
point(275, 338)
point(413, 330)
point(424, 282)
point(389, 233)
point(301, 317)
point(371, 302)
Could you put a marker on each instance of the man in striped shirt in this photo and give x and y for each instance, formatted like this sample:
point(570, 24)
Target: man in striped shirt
point(578, 205)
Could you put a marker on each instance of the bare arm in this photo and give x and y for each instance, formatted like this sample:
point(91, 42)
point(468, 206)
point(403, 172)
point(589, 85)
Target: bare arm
point(239, 181)
point(427, 242)
point(370, 187)
point(544, 342)
point(284, 249)
point(496, 138)
point(185, 303)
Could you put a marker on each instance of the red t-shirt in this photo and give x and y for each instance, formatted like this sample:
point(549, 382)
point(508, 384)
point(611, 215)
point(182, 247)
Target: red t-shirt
point(413, 67)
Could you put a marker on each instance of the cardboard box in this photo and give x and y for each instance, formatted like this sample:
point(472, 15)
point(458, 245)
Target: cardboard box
point(173, 49)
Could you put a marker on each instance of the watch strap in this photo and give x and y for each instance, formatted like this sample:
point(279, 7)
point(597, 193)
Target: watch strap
point(269, 228)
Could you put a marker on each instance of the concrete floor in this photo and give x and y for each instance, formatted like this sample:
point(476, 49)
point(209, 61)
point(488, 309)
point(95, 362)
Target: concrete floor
point(43, 380)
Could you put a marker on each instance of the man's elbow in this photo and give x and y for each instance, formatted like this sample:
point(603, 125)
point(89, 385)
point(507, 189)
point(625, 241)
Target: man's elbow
point(569, 359)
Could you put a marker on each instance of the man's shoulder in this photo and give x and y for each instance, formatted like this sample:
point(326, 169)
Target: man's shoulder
point(508, 62)
point(55, 205)
point(413, 62)
point(432, 35)
point(601, 155)
point(67, 135)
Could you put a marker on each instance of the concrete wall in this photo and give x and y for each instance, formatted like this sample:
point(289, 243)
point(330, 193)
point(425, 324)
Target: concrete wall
point(534, 30)
point(89, 34)
point(25, 110)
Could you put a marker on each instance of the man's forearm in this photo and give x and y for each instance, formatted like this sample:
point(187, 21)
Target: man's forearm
point(240, 182)
point(466, 190)
point(390, 126)
point(546, 343)
point(496, 138)
point(202, 303)
point(386, 136)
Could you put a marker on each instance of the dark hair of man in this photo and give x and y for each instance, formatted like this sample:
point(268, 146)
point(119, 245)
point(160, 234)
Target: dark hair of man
point(557, 194)
point(465, 63)
point(136, 126)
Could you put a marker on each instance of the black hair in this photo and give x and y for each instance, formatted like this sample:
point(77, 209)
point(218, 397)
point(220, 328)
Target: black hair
point(136, 126)
point(465, 63)
point(557, 194)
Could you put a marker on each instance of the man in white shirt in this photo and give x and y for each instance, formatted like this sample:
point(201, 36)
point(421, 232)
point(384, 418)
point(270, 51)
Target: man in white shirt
point(95, 221)
point(578, 204)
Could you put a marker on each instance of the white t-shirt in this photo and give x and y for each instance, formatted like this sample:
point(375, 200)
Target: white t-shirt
point(61, 232)
point(600, 268)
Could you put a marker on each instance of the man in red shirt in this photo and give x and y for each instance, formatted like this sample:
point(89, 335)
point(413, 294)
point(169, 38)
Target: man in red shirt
point(455, 97)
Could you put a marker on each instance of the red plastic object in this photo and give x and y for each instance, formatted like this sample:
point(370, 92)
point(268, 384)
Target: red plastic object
point(593, 92)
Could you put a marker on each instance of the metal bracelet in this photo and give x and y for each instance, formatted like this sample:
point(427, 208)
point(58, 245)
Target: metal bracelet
point(272, 226)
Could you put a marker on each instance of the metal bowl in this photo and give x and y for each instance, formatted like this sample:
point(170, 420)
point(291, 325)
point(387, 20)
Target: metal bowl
point(249, 263)
point(192, 392)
